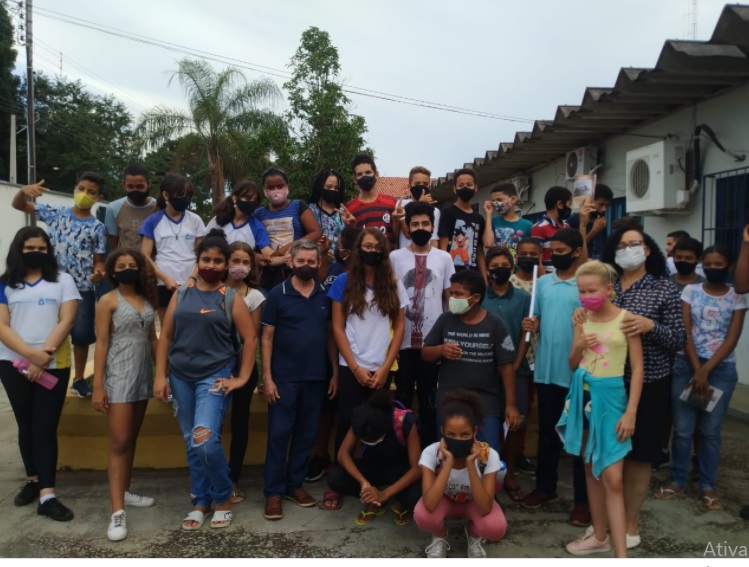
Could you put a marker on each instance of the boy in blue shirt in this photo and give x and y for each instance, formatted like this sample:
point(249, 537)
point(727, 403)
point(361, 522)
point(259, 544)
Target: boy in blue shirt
point(504, 227)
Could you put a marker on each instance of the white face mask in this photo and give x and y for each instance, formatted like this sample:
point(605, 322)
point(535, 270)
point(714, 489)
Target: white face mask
point(630, 259)
point(458, 306)
point(373, 443)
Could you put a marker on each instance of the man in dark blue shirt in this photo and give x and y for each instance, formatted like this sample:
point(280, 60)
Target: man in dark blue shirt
point(596, 235)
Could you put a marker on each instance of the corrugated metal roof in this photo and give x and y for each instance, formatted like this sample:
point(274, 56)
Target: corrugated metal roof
point(686, 72)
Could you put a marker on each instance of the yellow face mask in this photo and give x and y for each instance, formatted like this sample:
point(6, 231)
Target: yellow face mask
point(83, 201)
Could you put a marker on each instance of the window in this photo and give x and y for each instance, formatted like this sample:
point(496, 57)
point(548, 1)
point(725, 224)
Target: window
point(725, 208)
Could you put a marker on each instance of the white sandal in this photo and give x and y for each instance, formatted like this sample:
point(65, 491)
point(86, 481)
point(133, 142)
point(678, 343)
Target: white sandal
point(221, 519)
point(194, 516)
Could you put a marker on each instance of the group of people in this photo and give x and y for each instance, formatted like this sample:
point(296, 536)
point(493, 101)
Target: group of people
point(356, 309)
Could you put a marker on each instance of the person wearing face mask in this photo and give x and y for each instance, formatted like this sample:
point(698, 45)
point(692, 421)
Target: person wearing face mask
point(294, 376)
point(714, 315)
point(198, 347)
point(242, 277)
point(558, 202)
point(461, 228)
point(504, 227)
point(126, 215)
point(286, 221)
point(599, 415)
point(419, 182)
point(512, 306)
point(325, 199)
point(596, 229)
point(459, 479)
point(370, 208)
point(686, 254)
point(476, 353)
point(123, 376)
point(80, 247)
point(388, 465)
point(174, 233)
point(37, 311)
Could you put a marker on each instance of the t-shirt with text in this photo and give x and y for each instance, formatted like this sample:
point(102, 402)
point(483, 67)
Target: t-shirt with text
point(458, 486)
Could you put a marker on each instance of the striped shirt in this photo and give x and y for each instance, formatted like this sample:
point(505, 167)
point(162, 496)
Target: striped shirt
point(283, 226)
point(375, 214)
point(543, 230)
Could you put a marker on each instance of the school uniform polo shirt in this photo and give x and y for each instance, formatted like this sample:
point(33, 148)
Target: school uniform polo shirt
point(301, 332)
point(512, 308)
point(556, 301)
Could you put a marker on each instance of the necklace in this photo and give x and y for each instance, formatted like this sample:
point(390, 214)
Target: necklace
point(170, 222)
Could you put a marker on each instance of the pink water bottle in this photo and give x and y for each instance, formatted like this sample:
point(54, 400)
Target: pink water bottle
point(46, 380)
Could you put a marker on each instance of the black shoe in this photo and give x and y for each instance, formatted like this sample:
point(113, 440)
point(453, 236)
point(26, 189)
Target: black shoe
point(525, 466)
point(55, 510)
point(28, 494)
point(318, 467)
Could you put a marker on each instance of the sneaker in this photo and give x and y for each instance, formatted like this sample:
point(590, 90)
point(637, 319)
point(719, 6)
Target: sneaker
point(117, 530)
point(633, 541)
point(438, 548)
point(524, 465)
point(28, 494)
point(475, 549)
point(273, 508)
point(301, 497)
point(138, 501)
point(534, 500)
point(318, 468)
point(55, 510)
point(587, 544)
point(81, 388)
point(580, 516)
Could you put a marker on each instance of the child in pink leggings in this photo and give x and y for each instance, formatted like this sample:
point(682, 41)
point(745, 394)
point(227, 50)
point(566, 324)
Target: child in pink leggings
point(459, 475)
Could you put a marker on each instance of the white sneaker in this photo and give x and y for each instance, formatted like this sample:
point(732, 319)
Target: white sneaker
point(438, 548)
point(117, 527)
point(137, 500)
point(632, 540)
point(475, 549)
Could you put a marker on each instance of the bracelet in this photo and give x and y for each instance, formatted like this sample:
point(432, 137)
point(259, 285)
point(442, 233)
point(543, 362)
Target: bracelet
point(355, 369)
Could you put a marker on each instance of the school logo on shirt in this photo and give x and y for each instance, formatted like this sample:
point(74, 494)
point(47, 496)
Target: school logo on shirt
point(41, 301)
point(189, 237)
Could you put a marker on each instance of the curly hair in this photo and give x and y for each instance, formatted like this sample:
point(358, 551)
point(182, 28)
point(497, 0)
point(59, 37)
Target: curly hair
point(146, 284)
point(385, 284)
point(374, 418)
point(655, 264)
point(463, 403)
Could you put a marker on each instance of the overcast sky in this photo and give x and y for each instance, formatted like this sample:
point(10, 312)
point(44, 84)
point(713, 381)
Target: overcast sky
point(517, 58)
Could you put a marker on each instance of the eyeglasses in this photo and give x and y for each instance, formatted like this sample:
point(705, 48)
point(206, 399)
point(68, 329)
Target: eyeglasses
point(370, 247)
point(635, 244)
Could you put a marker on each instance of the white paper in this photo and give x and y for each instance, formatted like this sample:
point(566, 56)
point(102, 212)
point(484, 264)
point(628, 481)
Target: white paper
point(699, 401)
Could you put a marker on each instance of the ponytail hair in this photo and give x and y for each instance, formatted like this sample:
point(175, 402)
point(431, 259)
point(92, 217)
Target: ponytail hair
point(225, 210)
point(175, 186)
point(606, 273)
point(374, 418)
point(216, 238)
point(463, 403)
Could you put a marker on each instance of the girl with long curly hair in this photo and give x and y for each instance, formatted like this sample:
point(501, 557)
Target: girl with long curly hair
point(369, 304)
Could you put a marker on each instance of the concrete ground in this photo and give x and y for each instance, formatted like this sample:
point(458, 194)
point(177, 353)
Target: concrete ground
point(678, 528)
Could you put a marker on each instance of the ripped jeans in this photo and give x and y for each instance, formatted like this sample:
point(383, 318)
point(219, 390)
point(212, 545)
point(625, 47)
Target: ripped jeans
point(200, 413)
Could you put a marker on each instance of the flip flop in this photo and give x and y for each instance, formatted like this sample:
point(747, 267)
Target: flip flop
point(366, 516)
point(401, 517)
point(221, 519)
point(665, 493)
point(516, 493)
point(711, 502)
point(237, 496)
point(334, 498)
point(194, 516)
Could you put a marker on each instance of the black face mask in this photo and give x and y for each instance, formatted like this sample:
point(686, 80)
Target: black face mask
point(465, 194)
point(500, 275)
point(367, 182)
point(180, 203)
point(129, 276)
point(371, 257)
point(685, 268)
point(421, 237)
point(526, 264)
point(564, 213)
point(34, 260)
point(460, 448)
point(331, 196)
point(138, 197)
point(246, 207)
point(562, 261)
point(716, 275)
point(304, 273)
point(418, 190)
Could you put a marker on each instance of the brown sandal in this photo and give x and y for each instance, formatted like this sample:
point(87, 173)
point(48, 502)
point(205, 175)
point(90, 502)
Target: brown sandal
point(331, 500)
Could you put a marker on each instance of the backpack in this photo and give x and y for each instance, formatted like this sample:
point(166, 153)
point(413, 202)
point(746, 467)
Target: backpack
point(399, 417)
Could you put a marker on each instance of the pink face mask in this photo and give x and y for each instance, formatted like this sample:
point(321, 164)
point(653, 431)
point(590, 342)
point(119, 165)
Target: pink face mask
point(277, 196)
point(593, 303)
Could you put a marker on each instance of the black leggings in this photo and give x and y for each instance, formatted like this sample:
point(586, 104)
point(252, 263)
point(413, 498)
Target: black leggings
point(377, 475)
point(240, 425)
point(37, 411)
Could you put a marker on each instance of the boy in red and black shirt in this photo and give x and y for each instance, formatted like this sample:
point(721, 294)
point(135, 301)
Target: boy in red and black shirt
point(558, 202)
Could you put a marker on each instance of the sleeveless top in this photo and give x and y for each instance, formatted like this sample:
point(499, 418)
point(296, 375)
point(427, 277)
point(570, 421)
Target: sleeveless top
point(608, 357)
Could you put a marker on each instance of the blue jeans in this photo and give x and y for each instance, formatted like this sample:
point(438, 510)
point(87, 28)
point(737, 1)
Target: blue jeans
point(292, 431)
point(197, 407)
point(83, 332)
point(687, 417)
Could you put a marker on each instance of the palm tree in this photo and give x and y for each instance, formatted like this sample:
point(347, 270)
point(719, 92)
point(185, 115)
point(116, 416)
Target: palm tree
point(224, 111)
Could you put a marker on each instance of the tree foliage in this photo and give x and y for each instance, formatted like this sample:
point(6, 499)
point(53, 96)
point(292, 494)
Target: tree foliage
point(9, 103)
point(325, 132)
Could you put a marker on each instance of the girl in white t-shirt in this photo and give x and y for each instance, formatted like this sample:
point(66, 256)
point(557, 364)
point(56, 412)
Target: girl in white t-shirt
point(459, 476)
point(243, 277)
point(37, 311)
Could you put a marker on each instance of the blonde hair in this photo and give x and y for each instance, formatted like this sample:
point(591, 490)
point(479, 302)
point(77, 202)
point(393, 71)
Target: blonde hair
point(605, 272)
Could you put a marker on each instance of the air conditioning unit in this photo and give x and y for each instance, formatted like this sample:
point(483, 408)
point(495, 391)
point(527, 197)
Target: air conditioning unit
point(581, 161)
point(522, 184)
point(655, 179)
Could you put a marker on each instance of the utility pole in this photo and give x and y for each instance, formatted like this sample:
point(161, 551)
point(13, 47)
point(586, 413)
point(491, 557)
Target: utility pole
point(30, 94)
point(692, 20)
point(13, 177)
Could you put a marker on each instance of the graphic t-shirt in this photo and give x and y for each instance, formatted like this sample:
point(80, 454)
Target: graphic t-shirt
point(283, 226)
point(375, 215)
point(34, 313)
point(606, 359)
point(331, 224)
point(508, 233)
point(425, 277)
point(463, 231)
point(711, 318)
point(251, 232)
point(175, 242)
point(125, 220)
point(459, 483)
point(75, 241)
point(486, 345)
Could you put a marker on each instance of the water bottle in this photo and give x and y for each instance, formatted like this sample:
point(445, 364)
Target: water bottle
point(47, 380)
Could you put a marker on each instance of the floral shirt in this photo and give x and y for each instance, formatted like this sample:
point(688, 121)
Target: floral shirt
point(711, 318)
point(331, 225)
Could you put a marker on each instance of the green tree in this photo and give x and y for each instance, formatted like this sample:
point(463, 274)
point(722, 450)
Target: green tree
point(225, 112)
point(9, 102)
point(325, 132)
